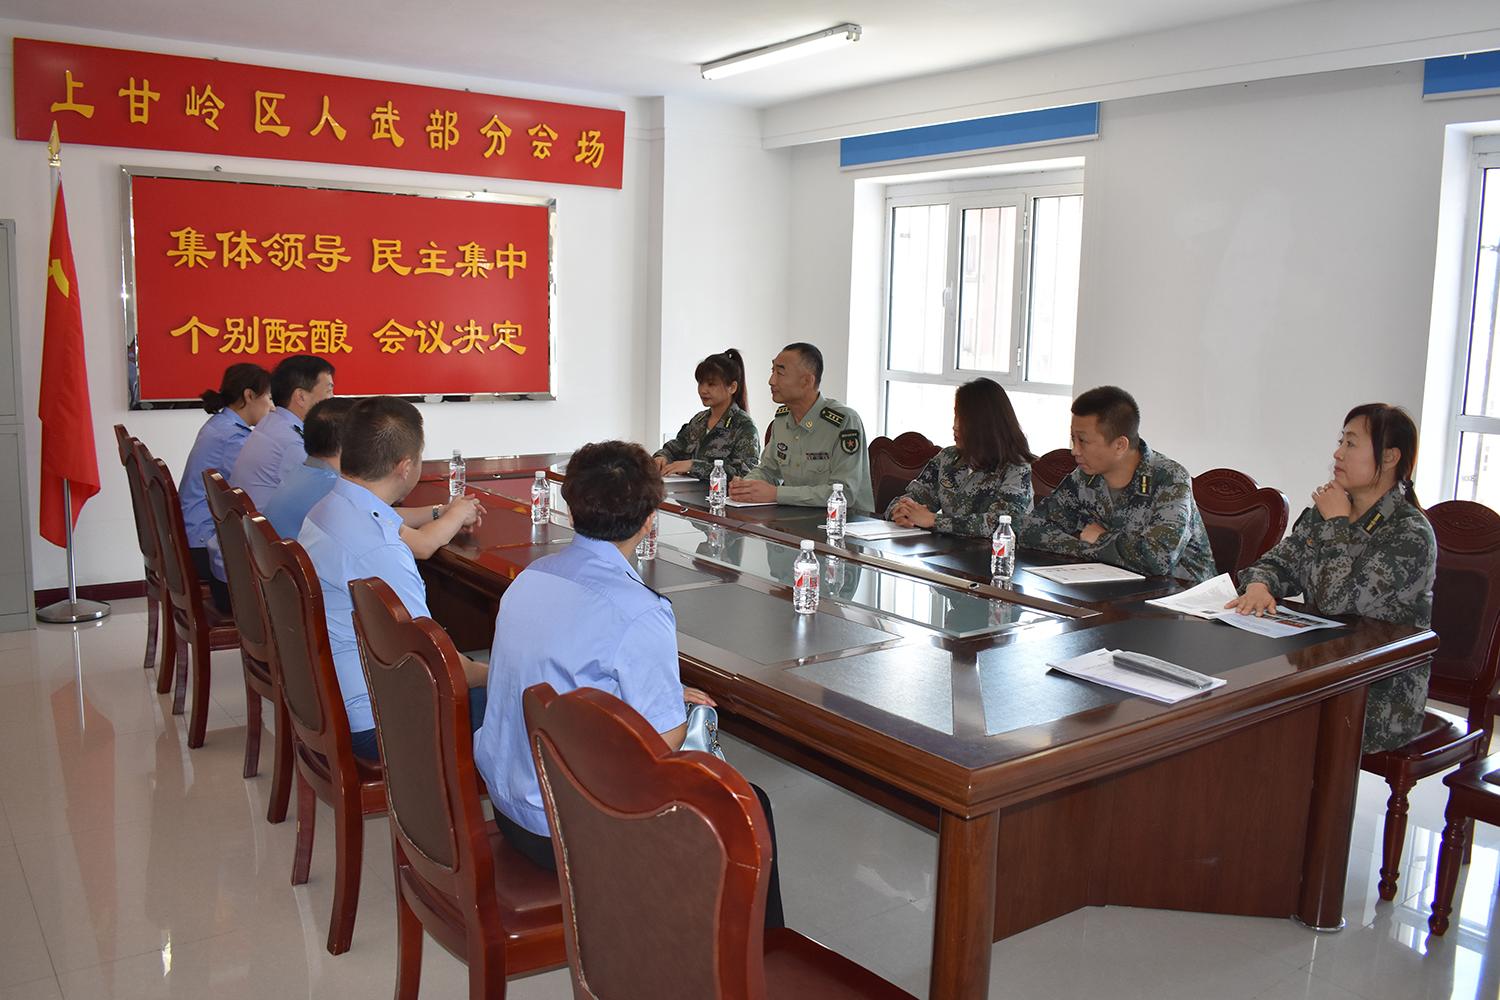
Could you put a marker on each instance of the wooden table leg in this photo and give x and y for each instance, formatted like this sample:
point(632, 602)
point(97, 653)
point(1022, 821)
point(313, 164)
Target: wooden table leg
point(1330, 820)
point(964, 925)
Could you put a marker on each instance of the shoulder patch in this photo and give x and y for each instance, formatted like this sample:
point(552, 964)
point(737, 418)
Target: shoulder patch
point(831, 415)
point(783, 410)
point(849, 441)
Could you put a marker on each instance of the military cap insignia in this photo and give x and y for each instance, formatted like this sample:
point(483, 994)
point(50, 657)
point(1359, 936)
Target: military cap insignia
point(831, 415)
point(783, 410)
point(849, 441)
point(1373, 523)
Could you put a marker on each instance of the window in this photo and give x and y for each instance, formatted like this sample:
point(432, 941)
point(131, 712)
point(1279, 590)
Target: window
point(1478, 421)
point(982, 283)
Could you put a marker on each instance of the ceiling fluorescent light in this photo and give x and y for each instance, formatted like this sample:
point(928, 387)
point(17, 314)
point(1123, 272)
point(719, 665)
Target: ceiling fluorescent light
point(818, 41)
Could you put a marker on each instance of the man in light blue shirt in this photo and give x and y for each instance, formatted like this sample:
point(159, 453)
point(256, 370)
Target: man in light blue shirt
point(304, 485)
point(354, 532)
point(297, 385)
point(584, 618)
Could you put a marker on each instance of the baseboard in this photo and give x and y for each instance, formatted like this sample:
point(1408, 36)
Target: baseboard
point(94, 592)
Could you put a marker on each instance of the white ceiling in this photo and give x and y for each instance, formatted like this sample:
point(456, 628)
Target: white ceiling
point(646, 47)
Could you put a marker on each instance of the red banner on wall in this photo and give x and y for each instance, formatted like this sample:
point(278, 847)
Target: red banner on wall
point(144, 100)
point(405, 294)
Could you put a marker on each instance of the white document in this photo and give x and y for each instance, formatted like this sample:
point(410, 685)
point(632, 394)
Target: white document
point(679, 479)
point(1206, 600)
point(1099, 667)
point(748, 503)
point(870, 530)
point(1084, 573)
point(1277, 624)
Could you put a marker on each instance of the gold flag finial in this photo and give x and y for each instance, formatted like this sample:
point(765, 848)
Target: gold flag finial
point(54, 147)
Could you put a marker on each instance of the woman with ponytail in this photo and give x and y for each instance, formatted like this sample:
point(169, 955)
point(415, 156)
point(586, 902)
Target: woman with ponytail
point(242, 399)
point(724, 430)
point(1363, 548)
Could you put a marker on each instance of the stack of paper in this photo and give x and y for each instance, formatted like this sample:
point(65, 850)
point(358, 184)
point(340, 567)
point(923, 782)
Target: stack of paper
point(871, 530)
point(1099, 667)
point(1084, 573)
point(1207, 600)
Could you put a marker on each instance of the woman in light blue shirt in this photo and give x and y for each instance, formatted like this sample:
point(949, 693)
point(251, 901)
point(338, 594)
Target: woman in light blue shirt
point(242, 399)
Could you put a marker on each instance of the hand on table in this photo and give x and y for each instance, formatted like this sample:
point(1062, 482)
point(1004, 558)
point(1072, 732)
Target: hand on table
point(681, 468)
point(752, 491)
point(1092, 533)
point(1256, 600)
point(466, 509)
point(696, 697)
point(910, 514)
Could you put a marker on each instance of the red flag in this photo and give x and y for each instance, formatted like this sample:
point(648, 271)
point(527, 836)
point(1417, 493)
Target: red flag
point(67, 421)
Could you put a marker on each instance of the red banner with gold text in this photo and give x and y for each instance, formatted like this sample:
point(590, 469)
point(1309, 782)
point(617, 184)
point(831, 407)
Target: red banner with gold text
point(405, 294)
point(144, 100)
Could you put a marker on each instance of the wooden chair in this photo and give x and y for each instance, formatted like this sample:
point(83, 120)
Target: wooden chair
point(665, 858)
point(229, 507)
point(1473, 794)
point(895, 463)
point(292, 599)
point(457, 877)
point(1243, 518)
point(1049, 470)
point(145, 537)
point(194, 627)
point(1466, 617)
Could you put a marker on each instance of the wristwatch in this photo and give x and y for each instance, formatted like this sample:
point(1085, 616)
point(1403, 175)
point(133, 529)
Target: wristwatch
point(436, 512)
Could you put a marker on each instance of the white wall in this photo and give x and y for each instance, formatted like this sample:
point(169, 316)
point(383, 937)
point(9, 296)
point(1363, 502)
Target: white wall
point(1257, 259)
point(600, 321)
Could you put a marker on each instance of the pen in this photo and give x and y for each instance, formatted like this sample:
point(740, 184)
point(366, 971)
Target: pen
point(1151, 667)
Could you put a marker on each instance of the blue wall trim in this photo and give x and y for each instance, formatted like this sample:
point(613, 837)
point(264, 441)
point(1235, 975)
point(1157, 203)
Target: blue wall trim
point(1457, 74)
point(1049, 125)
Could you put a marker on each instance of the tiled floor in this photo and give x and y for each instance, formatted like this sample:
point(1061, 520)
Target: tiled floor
point(130, 867)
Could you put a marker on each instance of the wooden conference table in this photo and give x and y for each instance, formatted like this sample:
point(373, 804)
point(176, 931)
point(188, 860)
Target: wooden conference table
point(925, 690)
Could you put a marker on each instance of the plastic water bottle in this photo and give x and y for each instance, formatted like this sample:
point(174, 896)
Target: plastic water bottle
point(838, 512)
point(805, 580)
point(1003, 550)
point(718, 483)
point(541, 499)
point(458, 476)
point(645, 549)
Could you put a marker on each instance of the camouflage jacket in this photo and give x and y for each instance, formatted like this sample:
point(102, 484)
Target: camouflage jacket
point(1153, 528)
point(1380, 566)
point(735, 440)
point(968, 501)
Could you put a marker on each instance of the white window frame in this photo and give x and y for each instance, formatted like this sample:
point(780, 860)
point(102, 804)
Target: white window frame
point(959, 196)
point(1486, 157)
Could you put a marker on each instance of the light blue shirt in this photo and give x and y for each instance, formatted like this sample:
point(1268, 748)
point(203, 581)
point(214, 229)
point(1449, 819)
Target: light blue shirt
point(302, 487)
point(275, 446)
point(351, 534)
point(218, 444)
point(580, 618)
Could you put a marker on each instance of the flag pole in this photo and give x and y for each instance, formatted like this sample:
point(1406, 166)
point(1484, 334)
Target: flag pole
point(72, 611)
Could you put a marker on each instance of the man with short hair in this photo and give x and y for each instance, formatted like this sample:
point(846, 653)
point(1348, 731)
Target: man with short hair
point(583, 617)
point(814, 442)
point(355, 532)
point(304, 485)
point(1124, 504)
point(298, 384)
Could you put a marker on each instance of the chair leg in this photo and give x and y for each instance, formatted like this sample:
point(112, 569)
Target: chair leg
point(153, 613)
point(253, 729)
point(486, 961)
point(349, 841)
point(1396, 808)
point(307, 818)
point(198, 721)
point(168, 652)
point(180, 677)
point(1456, 836)
point(408, 948)
point(281, 767)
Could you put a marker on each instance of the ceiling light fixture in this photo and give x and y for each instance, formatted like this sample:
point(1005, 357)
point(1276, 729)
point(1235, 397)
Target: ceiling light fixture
point(768, 55)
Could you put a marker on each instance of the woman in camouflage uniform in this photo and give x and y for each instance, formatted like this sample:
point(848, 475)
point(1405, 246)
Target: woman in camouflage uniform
point(724, 430)
point(965, 488)
point(1363, 548)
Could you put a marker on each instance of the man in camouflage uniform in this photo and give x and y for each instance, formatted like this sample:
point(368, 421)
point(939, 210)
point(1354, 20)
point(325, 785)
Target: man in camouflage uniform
point(814, 443)
point(1381, 565)
point(1124, 504)
point(734, 440)
point(964, 500)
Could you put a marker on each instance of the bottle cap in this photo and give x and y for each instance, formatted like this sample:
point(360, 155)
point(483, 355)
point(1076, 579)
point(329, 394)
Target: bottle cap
point(807, 545)
point(718, 463)
point(457, 453)
point(1004, 519)
point(540, 474)
point(838, 486)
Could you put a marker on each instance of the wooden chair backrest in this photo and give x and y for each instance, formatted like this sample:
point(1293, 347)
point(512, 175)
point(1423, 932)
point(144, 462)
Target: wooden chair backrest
point(1244, 519)
point(894, 463)
point(1049, 470)
point(229, 507)
point(1466, 603)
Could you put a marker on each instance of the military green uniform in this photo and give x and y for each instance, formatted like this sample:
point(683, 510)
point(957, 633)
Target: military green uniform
point(969, 501)
point(1152, 526)
point(1380, 566)
point(804, 460)
point(734, 439)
